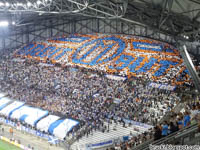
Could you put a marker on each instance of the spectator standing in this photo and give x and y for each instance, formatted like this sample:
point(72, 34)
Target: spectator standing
point(11, 131)
point(165, 130)
point(180, 123)
point(186, 120)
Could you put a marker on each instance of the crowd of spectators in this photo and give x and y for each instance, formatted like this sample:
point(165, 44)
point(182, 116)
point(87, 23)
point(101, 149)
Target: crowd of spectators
point(83, 94)
point(67, 90)
point(177, 121)
point(87, 95)
point(189, 115)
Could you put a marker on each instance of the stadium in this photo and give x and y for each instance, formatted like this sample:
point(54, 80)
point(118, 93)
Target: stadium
point(99, 74)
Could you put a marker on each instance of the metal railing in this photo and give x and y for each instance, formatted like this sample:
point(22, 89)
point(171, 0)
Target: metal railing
point(187, 136)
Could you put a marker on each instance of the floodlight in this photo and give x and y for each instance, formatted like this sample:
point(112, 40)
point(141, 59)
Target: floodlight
point(186, 37)
point(13, 23)
point(1, 4)
point(29, 4)
point(39, 2)
point(4, 23)
point(7, 4)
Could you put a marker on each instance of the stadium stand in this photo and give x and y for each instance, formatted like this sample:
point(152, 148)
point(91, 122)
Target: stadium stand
point(96, 81)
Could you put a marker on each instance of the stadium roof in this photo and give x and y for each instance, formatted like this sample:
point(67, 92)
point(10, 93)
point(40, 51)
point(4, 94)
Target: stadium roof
point(174, 17)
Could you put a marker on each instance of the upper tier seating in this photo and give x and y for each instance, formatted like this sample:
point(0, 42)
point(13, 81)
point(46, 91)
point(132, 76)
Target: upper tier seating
point(123, 55)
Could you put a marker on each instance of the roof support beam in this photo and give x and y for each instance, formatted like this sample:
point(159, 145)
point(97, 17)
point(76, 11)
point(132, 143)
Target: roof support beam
point(190, 66)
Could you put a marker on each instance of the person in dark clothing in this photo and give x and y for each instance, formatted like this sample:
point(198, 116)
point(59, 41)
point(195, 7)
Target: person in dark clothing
point(158, 133)
point(172, 127)
point(176, 126)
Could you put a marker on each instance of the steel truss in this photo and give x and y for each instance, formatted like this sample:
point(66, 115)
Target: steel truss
point(100, 9)
point(40, 19)
point(159, 16)
point(58, 27)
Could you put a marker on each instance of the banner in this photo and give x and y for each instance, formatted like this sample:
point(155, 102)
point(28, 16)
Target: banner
point(113, 77)
point(162, 86)
point(100, 144)
point(117, 101)
point(51, 139)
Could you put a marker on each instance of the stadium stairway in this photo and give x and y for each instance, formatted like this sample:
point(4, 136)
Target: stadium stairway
point(115, 132)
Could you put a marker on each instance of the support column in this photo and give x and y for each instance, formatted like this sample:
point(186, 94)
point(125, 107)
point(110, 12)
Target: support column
point(3, 44)
point(190, 66)
point(27, 35)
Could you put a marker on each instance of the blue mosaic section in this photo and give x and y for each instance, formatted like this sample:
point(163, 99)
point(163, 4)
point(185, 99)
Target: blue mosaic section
point(35, 50)
point(25, 49)
point(125, 59)
point(165, 65)
point(106, 48)
point(53, 52)
point(147, 66)
point(45, 52)
point(133, 66)
point(63, 53)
